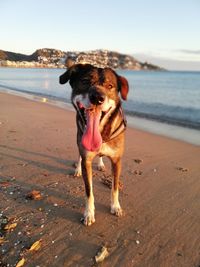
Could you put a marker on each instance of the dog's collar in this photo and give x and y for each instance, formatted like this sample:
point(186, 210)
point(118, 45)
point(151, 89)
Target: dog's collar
point(106, 135)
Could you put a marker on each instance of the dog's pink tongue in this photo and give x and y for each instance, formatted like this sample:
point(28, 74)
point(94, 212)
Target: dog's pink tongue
point(92, 139)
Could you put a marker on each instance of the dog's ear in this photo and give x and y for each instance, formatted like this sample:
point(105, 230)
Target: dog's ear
point(65, 77)
point(72, 72)
point(123, 87)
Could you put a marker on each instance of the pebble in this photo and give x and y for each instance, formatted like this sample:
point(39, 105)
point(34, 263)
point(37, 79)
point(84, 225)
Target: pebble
point(101, 255)
point(16, 243)
point(3, 251)
point(137, 242)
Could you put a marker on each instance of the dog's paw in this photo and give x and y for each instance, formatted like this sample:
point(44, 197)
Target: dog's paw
point(88, 218)
point(116, 210)
point(101, 167)
point(78, 172)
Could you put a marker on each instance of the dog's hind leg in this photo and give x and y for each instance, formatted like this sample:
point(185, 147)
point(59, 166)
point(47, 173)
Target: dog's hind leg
point(116, 168)
point(78, 170)
point(87, 176)
point(100, 165)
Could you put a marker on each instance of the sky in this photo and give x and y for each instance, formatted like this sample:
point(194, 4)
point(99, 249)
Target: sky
point(163, 32)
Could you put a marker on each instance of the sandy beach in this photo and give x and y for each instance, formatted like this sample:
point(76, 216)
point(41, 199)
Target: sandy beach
point(160, 195)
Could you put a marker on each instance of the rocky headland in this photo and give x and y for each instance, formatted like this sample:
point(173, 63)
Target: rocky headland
point(53, 58)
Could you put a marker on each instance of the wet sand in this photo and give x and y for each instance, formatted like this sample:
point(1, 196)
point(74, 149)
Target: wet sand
point(160, 195)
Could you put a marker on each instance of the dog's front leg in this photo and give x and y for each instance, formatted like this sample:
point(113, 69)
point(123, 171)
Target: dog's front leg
point(87, 176)
point(115, 206)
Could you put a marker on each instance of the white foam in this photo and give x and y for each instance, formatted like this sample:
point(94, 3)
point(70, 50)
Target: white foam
point(188, 135)
point(176, 132)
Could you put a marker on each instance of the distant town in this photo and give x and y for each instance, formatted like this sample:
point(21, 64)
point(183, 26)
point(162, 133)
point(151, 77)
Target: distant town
point(53, 58)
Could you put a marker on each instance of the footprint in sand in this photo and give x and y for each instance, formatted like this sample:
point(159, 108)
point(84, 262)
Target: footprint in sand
point(182, 169)
point(138, 161)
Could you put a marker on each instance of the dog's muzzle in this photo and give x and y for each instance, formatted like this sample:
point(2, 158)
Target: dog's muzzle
point(96, 97)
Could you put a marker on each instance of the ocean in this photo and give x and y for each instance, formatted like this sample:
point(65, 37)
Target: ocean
point(166, 97)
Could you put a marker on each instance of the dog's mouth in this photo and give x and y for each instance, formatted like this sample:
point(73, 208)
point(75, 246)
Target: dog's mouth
point(84, 111)
point(92, 117)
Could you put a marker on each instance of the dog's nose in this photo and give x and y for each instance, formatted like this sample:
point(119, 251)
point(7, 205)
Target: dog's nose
point(96, 97)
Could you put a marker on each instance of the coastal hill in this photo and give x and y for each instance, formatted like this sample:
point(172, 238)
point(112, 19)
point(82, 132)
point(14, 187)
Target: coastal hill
point(53, 58)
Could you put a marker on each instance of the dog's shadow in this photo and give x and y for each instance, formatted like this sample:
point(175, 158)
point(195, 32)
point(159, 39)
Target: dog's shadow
point(44, 163)
point(37, 163)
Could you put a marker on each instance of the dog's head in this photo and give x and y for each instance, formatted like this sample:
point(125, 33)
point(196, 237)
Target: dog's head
point(95, 95)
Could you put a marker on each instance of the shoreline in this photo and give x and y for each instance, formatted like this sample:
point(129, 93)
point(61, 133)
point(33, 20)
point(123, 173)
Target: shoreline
point(188, 135)
point(160, 194)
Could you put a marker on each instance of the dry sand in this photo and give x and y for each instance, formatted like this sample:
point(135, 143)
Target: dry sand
point(160, 195)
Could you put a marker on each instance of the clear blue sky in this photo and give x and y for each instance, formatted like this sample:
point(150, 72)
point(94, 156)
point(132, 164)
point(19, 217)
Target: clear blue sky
point(166, 32)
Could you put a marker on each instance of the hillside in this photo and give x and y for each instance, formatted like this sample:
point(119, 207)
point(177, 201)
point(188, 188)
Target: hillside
point(52, 58)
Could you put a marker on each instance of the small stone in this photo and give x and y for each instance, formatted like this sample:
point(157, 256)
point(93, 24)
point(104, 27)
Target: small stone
point(101, 255)
point(3, 251)
point(34, 195)
point(137, 242)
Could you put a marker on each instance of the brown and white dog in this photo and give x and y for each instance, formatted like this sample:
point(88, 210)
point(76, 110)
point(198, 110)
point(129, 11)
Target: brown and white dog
point(100, 123)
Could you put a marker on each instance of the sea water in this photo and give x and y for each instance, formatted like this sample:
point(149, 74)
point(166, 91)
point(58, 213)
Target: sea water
point(169, 97)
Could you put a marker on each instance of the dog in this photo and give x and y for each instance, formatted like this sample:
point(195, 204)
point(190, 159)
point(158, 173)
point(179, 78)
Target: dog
point(100, 126)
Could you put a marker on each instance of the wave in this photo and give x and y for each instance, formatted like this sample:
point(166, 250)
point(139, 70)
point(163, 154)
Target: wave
point(35, 93)
point(175, 115)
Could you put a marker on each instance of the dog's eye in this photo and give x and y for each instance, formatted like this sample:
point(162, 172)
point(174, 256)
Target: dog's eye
point(110, 86)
